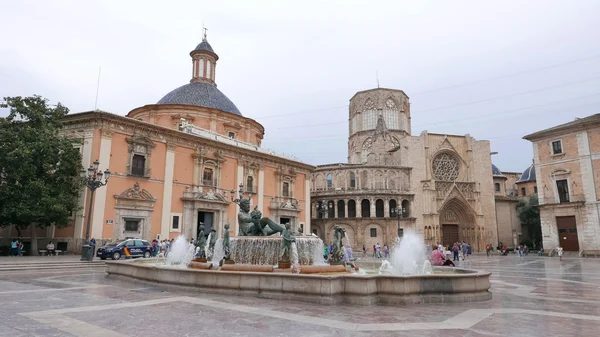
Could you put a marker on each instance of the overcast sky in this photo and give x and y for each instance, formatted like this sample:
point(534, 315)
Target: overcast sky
point(494, 70)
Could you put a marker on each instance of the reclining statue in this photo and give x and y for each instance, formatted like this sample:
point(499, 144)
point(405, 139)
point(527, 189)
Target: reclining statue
point(253, 224)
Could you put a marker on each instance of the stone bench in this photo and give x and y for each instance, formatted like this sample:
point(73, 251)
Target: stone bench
point(42, 252)
point(589, 253)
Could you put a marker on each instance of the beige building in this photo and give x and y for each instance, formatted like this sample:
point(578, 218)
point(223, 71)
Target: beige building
point(509, 187)
point(438, 185)
point(567, 167)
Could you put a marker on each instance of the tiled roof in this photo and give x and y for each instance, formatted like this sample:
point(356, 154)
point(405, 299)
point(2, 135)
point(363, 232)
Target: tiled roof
point(528, 175)
point(577, 122)
point(200, 94)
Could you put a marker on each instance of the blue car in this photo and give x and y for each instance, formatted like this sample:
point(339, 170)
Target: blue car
point(129, 249)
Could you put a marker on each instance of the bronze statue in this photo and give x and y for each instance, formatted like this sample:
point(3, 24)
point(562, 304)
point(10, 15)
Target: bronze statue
point(338, 234)
point(288, 237)
point(226, 242)
point(201, 242)
point(253, 224)
point(213, 240)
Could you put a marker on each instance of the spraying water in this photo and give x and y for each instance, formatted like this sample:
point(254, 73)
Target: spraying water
point(295, 263)
point(181, 253)
point(219, 253)
point(206, 250)
point(407, 256)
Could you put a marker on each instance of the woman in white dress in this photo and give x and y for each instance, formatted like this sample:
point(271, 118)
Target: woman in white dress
point(559, 250)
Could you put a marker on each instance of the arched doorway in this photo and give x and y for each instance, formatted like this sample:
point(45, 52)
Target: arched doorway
point(457, 221)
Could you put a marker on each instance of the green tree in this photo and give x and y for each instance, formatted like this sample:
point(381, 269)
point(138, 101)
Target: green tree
point(529, 214)
point(39, 168)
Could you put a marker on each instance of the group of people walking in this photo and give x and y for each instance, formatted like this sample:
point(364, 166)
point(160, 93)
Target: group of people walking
point(161, 246)
point(16, 247)
point(461, 250)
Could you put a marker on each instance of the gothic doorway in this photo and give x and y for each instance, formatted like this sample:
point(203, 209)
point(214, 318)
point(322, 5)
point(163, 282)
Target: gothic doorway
point(457, 222)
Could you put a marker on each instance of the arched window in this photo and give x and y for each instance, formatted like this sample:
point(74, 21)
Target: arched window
point(320, 210)
point(329, 181)
point(351, 208)
point(341, 209)
point(330, 209)
point(379, 208)
point(365, 206)
point(207, 177)
point(405, 209)
point(250, 184)
point(352, 180)
point(393, 206)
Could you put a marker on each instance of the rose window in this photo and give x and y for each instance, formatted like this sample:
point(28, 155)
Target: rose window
point(445, 167)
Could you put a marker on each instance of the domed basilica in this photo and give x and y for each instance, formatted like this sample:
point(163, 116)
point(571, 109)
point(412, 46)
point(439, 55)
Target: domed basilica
point(179, 163)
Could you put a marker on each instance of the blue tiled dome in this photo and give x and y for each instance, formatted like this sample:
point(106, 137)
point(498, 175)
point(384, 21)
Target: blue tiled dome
point(204, 45)
point(528, 175)
point(496, 171)
point(200, 94)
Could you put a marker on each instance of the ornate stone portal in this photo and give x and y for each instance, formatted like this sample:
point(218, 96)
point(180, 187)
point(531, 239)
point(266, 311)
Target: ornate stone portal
point(133, 213)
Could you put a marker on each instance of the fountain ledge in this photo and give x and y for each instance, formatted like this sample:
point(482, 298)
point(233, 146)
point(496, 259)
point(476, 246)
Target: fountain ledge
point(463, 285)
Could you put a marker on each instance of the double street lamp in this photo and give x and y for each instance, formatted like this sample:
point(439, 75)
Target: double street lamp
point(400, 214)
point(92, 178)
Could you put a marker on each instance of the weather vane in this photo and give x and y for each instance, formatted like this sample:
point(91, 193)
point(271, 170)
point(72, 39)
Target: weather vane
point(204, 30)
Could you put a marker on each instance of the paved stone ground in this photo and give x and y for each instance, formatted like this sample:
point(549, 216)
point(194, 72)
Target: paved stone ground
point(532, 296)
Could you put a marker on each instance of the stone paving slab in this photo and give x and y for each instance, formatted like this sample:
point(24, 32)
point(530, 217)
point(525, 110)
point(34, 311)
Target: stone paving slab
point(532, 296)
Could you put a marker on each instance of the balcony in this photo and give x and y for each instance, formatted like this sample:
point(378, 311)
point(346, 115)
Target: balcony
point(315, 192)
point(251, 189)
point(209, 182)
point(565, 200)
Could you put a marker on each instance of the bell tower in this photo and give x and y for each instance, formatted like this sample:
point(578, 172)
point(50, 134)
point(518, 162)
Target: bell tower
point(204, 62)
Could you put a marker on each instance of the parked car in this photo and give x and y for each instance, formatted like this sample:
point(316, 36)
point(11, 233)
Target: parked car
point(129, 248)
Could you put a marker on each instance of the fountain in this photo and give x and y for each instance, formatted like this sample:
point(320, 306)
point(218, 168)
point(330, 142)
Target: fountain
point(252, 265)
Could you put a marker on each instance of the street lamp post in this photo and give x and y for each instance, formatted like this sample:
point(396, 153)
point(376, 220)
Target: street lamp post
point(399, 212)
point(92, 178)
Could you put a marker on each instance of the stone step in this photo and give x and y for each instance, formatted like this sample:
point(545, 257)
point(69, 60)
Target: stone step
point(31, 266)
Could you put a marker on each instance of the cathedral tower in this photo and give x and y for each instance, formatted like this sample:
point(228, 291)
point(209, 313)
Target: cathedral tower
point(378, 119)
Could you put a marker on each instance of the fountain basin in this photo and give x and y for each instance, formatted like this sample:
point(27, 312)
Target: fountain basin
point(247, 267)
point(460, 285)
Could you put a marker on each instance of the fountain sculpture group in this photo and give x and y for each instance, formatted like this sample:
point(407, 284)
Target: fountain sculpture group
point(291, 266)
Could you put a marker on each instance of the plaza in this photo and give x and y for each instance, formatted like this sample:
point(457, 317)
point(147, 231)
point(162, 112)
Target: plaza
point(531, 296)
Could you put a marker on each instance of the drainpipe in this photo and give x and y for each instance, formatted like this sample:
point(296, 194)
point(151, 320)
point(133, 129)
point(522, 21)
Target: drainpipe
point(593, 180)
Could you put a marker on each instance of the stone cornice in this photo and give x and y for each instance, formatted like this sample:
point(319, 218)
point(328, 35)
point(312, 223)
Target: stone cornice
point(161, 134)
point(330, 167)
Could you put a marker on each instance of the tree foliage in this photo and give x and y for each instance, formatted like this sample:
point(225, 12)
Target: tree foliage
point(39, 168)
point(529, 214)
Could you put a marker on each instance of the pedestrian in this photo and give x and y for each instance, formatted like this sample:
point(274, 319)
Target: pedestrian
point(463, 250)
point(455, 250)
point(387, 251)
point(374, 251)
point(325, 252)
point(364, 251)
point(378, 248)
point(93, 245)
point(20, 246)
point(13, 247)
point(559, 250)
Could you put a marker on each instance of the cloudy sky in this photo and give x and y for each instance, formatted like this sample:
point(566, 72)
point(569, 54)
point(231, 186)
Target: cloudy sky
point(494, 70)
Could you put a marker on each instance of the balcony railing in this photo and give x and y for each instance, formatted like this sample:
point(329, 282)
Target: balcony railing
point(251, 189)
point(352, 190)
point(209, 182)
point(572, 198)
